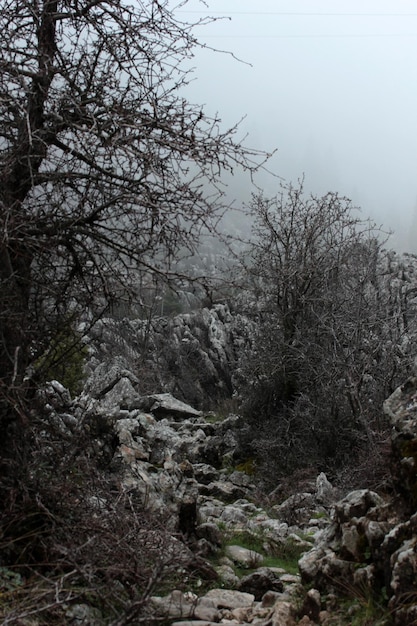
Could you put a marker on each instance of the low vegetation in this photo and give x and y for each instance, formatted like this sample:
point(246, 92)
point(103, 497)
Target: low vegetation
point(331, 342)
point(70, 536)
point(283, 554)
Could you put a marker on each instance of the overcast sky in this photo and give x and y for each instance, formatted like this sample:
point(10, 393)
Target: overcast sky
point(332, 85)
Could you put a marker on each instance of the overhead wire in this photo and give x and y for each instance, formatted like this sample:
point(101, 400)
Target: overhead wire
point(335, 36)
point(294, 13)
point(306, 14)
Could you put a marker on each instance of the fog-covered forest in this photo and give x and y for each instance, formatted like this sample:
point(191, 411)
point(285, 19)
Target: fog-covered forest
point(166, 350)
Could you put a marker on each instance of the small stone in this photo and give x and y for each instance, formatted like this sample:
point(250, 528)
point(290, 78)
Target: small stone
point(230, 599)
point(261, 581)
point(243, 556)
point(311, 605)
point(270, 598)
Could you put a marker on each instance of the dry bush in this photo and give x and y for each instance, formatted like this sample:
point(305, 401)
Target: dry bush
point(327, 353)
point(69, 534)
point(372, 468)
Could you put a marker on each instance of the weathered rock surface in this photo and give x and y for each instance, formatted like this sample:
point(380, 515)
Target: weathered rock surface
point(164, 460)
point(178, 464)
point(372, 541)
point(244, 557)
point(160, 404)
point(260, 582)
point(192, 356)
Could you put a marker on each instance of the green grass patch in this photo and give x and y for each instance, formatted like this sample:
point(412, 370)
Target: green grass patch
point(213, 418)
point(290, 565)
point(248, 467)
point(361, 607)
point(369, 613)
point(284, 554)
point(320, 515)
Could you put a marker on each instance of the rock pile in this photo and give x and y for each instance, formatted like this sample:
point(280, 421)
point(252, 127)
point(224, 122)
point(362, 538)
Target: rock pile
point(371, 543)
point(179, 463)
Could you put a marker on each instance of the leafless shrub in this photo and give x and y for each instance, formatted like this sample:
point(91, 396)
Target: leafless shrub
point(327, 353)
point(70, 534)
point(372, 468)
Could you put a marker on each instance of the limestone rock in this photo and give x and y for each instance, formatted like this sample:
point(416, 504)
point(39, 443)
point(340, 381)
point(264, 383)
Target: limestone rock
point(233, 516)
point(364, 577)
point(274, 530)
point(260, 581)
point(161, 404)
point(311, 605)
point(404, 574)
point(270, 598)
point(243, 556)
point(178, 604)
point(206, 613)
point(192, 353)
point(229, 622)
point(205, 474)
point(228, 576)
point(83, 615)
point(225, 490)
point(296, 509)
point(107, 374)
point(174, 605)
point(282, 615)
point(325, 494)
point(210, 532)
point(321, 564)
point(197, 622)
point(55, 394)
point(240, 479)
point(356, 504)
point(230, 599)
point(401, 408)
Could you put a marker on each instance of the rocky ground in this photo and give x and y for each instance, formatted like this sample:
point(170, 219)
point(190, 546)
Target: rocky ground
point(310, 558)
point(233, 556)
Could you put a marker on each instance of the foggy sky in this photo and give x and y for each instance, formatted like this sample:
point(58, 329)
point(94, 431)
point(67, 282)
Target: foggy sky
point(332, 85)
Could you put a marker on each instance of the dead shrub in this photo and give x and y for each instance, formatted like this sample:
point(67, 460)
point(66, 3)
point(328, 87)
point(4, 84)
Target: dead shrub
point(70, 534)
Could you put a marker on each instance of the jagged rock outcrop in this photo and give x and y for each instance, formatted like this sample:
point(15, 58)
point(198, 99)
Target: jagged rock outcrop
point(178, 464)
point(193, 356)
point(401, 408)
point(227, 606)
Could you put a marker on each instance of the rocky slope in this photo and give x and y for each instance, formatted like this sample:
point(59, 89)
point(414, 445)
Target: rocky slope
point(235, 557)
point(194, 356)
point(177, 463)
point(165, 514)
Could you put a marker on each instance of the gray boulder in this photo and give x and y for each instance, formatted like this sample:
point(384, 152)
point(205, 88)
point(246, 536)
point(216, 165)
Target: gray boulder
point(244, 557)
point(162, 404)
point(260, 581)
point(229, 598)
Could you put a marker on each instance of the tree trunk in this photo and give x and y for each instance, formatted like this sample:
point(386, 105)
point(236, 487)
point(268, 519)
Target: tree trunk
point(14, 329)
point(17, 180)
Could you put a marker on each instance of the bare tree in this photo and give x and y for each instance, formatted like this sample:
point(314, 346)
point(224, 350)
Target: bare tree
point(105, 168)
point(324, 359)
